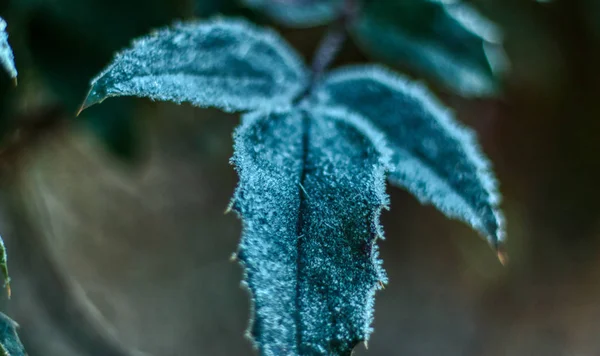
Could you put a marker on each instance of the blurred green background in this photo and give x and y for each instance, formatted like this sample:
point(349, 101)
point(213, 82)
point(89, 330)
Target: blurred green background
point(114, 221)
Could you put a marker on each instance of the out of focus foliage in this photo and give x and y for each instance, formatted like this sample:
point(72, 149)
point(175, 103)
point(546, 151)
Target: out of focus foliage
point(449, 41)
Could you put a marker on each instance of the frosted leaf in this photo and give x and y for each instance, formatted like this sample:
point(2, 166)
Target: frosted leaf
point(298, 13)
point(6, 55)
point(310, 193)
point(449, 42)
point(229, 64)
point(434, 157)
point(10, 344)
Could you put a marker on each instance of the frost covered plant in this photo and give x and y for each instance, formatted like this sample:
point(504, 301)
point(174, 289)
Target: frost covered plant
point(313, 153)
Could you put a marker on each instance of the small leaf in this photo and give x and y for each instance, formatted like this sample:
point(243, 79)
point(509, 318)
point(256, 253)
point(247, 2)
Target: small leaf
point(6, 55)
point(434, 157)
point(10, 344)
point(298, 13)
point(449, 42)
point(229, 64)
point(4, 267)
point(311, 189)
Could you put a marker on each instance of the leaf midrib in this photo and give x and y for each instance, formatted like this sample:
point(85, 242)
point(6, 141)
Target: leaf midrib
point(299, 227)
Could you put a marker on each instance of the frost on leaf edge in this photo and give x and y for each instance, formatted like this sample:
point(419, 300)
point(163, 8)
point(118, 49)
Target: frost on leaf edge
point(290, 57)
point(445, 117)
point(247, 120)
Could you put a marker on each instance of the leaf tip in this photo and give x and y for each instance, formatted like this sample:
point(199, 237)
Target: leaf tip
point(502, 254)
point(91, 99)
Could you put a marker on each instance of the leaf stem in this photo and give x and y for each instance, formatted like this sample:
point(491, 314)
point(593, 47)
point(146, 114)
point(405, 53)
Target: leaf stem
point(334, 39)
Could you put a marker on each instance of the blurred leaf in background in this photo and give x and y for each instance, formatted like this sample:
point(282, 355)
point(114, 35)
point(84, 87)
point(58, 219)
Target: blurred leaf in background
point(10, 345)
point(298, 13)
point(450, 43)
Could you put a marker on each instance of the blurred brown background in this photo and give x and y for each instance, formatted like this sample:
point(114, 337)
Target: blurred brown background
point(130, 256)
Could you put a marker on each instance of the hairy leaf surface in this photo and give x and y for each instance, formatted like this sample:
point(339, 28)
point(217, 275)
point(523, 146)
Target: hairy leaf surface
point(434, 157)
point(310, 193)
point(449, 42)
point(10, 344)
point(6, 55)
point(298, 13)
point(229, 64)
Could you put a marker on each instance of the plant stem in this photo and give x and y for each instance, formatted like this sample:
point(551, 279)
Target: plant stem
point(334, 39)
point(328, 49)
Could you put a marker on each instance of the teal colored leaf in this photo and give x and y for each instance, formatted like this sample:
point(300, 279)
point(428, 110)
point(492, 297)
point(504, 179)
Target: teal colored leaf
point(298, 13)
point(310, 193)
point(10, 344)
point(447, 41)
point(229, 64)
point(434, 157)
point(7, 60)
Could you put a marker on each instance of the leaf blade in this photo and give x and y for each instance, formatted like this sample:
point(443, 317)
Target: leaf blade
point(448, 42)
point(297, 13)
point(7, 58)
point(312, 267)
point(229, 64)
point(434, 157)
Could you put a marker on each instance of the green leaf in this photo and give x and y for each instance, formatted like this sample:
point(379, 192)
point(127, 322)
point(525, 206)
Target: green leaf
point(7, 59)
point(310, 194)
point(448, 42)
point(10, 345)
point(298, 13)
point(229, 64)
point(434, 157)
point(4, 267)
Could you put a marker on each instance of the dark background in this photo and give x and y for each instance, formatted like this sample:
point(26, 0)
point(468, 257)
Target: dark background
point(114, 221)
